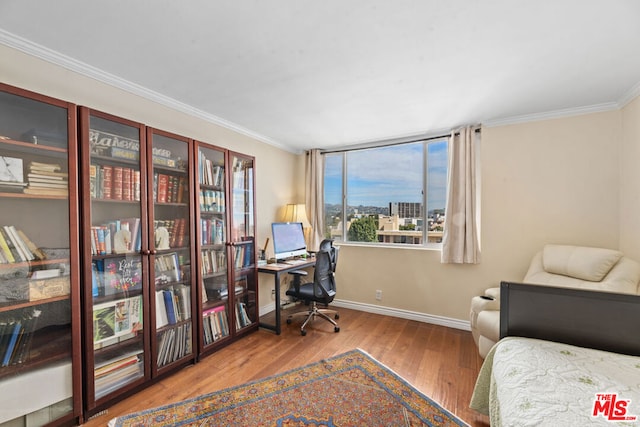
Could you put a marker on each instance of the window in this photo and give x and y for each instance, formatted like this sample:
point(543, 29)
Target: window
point(381, 193)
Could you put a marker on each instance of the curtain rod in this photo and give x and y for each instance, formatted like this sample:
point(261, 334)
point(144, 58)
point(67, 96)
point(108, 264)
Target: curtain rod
point(388, 143)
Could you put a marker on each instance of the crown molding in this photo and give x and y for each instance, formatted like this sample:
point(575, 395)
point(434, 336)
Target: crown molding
point(632, 94)
point(548, 115)
point(33, 49)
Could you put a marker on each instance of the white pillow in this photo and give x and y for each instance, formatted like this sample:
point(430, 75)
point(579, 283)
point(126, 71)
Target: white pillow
point(582, 262)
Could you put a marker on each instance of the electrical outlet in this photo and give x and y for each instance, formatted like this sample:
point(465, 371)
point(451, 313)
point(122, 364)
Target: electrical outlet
point(379, 295)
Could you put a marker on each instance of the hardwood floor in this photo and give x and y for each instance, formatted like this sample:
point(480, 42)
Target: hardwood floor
point(441, 362)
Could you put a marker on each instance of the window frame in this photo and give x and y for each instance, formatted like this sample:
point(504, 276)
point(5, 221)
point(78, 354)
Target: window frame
point(424, 200)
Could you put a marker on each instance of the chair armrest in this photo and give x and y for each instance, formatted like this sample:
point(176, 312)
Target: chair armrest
point(297, 278)
point(298, 273)
point(484, 302)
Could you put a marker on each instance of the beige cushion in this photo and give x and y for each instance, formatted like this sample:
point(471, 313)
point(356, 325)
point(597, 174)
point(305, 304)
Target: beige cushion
point(581, 262)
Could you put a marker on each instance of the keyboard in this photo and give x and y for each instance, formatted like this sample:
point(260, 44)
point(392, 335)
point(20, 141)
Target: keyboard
point(296, 261)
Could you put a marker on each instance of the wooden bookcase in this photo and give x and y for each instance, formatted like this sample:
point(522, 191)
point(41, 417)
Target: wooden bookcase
point(139, 256)
point(138, 251)
point(227, 275)
point(115, 257)
point(39, 278)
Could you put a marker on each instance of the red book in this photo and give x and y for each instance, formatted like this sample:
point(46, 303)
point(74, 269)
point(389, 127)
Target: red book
point(163, 182)
point(107, 182)
point(182, 223)
point(174, 189)
point(181, 188)
point(116, 192)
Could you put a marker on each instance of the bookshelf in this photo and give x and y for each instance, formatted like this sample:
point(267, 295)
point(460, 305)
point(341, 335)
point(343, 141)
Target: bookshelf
point(39, 282)
point(126, 253)
point(171, 213)
point(227, 278)
point(116, 257)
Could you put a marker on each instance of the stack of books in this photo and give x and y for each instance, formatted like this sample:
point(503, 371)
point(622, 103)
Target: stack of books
point(47, 179)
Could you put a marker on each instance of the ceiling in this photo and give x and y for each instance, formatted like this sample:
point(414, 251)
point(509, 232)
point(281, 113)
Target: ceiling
point(306, 74)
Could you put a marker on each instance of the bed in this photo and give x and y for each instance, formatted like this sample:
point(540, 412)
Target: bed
point(566, 357)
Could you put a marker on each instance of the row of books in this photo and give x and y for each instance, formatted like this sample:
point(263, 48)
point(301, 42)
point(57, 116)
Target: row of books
point(173, 305)
point(240, 170)
point(114, 182)
point(177, 229)
point(170, 188)
point(116, 237)
point(243, 256)
point(242, 317)
point(15, 246)
point(125, 236)
point(47, 179)
point(209, 172)
point(215, 323)
point(213, 261)
point(212, 231)
point(167, 268)
point(174, 344)
point(211, 201)
point(16, 335)
point(114, 373)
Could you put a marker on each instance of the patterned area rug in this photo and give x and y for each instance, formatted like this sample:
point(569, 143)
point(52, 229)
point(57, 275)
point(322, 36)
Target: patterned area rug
point(352, 389)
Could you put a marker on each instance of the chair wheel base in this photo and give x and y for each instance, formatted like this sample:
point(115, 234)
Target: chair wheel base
point(336, 329)
point(303, 332)
point(337, 316)
point(288, 321)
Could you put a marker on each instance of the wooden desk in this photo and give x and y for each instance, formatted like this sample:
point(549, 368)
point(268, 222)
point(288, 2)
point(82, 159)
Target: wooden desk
point(277, 270)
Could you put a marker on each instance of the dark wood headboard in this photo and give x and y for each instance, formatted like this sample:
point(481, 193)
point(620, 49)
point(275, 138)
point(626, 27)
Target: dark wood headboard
point(601, 320)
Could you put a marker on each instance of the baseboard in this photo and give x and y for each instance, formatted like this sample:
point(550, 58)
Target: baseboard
point(394, 312)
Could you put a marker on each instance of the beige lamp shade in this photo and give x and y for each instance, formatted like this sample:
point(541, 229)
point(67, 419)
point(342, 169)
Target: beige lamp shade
point(298, 213)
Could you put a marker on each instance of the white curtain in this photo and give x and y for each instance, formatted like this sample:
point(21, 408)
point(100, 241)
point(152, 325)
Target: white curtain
point(314, 201)
point(461, 237)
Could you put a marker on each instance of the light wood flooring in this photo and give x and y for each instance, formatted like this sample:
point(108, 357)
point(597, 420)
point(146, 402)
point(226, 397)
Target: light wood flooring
point(441, 362)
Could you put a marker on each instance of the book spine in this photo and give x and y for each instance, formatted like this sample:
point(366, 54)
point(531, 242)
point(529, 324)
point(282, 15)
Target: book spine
point(107, 182)
point(163, 182)
point(169, 306)
point(37, 252)
point(12, 342)
point(136, 185)
point(116, 191)
point(127, 194)
point(13, 245)
point(5, 249)
point(93, 181)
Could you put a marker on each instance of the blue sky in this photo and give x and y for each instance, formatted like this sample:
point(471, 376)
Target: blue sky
point(391, 174)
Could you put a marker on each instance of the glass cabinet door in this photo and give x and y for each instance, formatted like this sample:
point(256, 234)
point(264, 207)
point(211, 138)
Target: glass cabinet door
point(170, 215)
point(115, 240)
point(243, 241)
point(212, 249)
point(39, 274)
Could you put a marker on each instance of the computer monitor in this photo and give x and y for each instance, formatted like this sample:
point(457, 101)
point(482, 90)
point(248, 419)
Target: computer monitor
point(288, 240)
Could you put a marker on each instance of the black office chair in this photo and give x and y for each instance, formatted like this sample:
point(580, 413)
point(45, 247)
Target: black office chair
point(321, 291)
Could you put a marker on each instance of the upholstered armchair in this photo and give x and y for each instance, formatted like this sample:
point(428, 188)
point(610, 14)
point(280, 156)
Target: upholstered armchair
point(563, 266)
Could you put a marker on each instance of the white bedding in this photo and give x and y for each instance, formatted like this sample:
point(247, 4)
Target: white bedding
point(528, 382)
